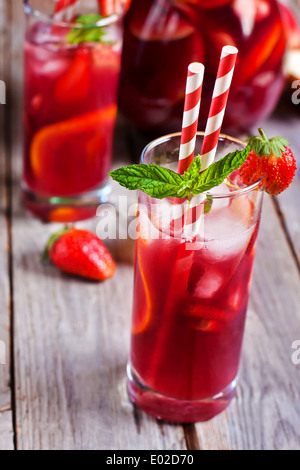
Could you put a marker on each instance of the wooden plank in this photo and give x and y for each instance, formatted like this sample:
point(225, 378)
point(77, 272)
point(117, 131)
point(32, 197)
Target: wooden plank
point(71, 341)
point(266, 411)
point(275, 300)
point(286, 123)
point(295, 5)
point(6, 418)
point(71, 345)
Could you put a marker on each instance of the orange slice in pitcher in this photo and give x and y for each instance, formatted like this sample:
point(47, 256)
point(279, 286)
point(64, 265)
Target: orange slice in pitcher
point(49, 143)
point(261, 53)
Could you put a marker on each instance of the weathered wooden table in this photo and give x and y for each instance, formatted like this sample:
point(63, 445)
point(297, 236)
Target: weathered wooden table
point(65, 341)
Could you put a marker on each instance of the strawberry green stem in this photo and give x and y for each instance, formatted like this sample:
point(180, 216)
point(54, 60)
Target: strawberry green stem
point(263, 134)
point(51, 241)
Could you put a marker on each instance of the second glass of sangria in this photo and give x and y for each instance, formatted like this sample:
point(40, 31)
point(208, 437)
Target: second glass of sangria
point(72, 68)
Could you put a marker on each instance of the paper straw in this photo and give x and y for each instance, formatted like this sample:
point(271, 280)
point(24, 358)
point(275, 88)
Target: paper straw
point(194, 217)
point(126, 5)
point(64, 10)
point(188, 142)
point(190, 115)
point(190, 221)
point(110, 7)
point(218, 105)
point(212, 131)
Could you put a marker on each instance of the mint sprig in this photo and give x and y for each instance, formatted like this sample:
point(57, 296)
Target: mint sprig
point(160, 182)
point(88, 32)
point(263, 146)
point(154, 180)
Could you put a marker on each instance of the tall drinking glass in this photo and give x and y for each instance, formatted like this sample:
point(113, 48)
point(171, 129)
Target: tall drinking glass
point(70, 107)
point(191, 295)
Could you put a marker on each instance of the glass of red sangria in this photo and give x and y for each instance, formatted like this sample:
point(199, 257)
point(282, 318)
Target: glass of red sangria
point(190, 299)
point(72, 67)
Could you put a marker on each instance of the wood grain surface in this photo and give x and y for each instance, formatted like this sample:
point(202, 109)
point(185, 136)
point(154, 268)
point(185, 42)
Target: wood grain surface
point(66, 385)
point(6, 415)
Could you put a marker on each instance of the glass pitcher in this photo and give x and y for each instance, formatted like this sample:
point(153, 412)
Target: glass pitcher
point(163, 36)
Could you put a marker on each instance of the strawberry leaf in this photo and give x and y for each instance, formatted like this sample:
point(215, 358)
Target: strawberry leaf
point(194, 169)
point(278, 146)
point(263, 146)
point(51, 241)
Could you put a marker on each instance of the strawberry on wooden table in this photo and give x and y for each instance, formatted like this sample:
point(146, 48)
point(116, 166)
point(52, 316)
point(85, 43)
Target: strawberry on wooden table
point(269, 159)
point(81, 253)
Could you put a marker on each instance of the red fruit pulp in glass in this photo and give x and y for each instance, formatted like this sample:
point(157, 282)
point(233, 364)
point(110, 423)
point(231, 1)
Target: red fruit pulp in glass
point(188, 322)
point(163, 36)
point(69, 112)
point(159, 46)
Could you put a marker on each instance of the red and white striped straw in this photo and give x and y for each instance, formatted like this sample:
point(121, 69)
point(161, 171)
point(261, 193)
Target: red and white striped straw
point(126, 5)
point(110, 7)
point(190, 115)
point(218, 105)
point(64, 10)
point(212, 132)
point(192, 103)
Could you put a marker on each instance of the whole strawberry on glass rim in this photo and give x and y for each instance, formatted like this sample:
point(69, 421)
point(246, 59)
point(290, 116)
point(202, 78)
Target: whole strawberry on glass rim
point(270, 160)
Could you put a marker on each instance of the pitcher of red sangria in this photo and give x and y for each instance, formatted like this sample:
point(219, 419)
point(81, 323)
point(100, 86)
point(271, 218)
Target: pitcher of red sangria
point(162, 37)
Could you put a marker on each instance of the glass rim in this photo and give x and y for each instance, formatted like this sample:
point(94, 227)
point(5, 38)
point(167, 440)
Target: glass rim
point(105, 21)
point(210, 193)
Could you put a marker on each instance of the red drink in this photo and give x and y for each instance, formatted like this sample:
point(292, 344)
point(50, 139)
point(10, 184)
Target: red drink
point(162, 37)
point(190, 307)
point(69, 117)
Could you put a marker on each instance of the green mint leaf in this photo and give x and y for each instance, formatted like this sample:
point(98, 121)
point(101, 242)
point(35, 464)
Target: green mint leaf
point(79, 36)
point(191, 175)
point(219, 171)
point(87, 32)
point(193, 170)
point(159, 182)
point(156, 181)
point(89, 19)
point(208, 204)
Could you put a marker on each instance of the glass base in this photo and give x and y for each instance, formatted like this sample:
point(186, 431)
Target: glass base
point(66, 209)
point(175, 410)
